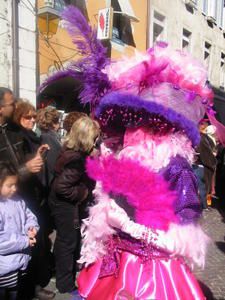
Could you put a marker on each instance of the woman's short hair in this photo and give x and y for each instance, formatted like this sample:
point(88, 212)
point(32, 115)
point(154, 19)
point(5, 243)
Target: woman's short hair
point(71, 118)
point(83, 135)
point(47, 117)
point(23, 108)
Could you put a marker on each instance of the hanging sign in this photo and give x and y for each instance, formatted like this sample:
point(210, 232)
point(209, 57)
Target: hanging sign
point(105, 18)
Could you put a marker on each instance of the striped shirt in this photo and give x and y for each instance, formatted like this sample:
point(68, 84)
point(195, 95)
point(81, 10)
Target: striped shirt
point(11, 279)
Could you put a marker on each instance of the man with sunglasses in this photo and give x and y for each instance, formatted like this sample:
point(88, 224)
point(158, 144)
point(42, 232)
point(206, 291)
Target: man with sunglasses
point(11, 139)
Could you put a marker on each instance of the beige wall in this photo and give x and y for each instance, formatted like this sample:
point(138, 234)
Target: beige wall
point(62, 44)
point(177, 18)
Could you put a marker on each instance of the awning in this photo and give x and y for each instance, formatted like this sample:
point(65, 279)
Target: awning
point(127, 10)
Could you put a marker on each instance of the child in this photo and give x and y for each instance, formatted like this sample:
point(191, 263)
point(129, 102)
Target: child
point(18, 228)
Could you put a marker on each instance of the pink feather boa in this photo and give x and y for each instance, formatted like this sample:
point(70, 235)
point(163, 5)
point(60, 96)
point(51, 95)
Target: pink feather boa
point(145, 190)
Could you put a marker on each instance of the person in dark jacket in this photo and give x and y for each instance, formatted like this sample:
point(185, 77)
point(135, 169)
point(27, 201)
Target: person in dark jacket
point(204, 167)
point(220, 177)
point(12, 146)
point(34, 191)
point(25, 118)
point(48, 122)
point(70, 195)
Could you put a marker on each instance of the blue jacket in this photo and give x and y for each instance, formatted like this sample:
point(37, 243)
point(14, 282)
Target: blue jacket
point(15, 220)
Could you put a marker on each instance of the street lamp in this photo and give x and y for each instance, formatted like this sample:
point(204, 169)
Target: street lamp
point(48, 19)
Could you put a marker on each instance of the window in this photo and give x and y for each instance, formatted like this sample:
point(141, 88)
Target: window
point(207, 52)
point(186, 40)
point(158, 27)
point(205, 7)
point(220, 13)
point(222, 71)
point(214, 11)
point(59, 5)
point(209, 8)
point(122, 30)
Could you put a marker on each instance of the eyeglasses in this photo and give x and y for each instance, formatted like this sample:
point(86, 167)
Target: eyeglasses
point(30, 117)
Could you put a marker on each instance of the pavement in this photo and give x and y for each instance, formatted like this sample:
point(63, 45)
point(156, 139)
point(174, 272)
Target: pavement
point(212, 278)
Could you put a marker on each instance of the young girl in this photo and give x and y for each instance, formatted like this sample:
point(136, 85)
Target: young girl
point(18, 228)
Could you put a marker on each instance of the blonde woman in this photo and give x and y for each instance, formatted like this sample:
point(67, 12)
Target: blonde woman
point(71, 192)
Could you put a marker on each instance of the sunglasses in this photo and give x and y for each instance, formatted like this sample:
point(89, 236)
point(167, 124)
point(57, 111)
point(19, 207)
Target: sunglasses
point(30, 117)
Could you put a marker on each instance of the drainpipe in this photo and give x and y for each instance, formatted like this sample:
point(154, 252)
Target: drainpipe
point(148, 29)
point(15, 47)
point(37, 48)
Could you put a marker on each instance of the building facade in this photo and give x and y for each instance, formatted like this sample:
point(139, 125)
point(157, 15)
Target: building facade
point(28, 56)
point(196, 26)
point(129, 32)
point(18, 51)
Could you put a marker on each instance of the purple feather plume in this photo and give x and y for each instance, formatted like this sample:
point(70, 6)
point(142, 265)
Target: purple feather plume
point(83, 36)
point(88, 69)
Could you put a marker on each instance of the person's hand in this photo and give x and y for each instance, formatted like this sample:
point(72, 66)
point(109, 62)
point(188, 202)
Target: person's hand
point(32, 242)
point(42, 149)
point(34, 165)
point(32, 232)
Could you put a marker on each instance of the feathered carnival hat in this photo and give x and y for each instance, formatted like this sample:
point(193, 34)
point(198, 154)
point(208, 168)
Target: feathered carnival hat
point(162, 87)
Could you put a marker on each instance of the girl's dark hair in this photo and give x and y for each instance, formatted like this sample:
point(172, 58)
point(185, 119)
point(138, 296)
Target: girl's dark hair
point(6, 170)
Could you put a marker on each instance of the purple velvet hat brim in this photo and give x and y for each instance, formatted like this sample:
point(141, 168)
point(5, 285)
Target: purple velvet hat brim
point(136, 103)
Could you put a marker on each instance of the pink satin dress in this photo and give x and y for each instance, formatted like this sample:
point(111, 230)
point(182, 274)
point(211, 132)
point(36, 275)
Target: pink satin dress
point(125, 275)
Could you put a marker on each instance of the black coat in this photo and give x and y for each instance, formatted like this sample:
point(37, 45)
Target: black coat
point(207, 159)
point(71, 185)
point(220, 175)
point(33, 188)
point(50, 137)
point(12, 146)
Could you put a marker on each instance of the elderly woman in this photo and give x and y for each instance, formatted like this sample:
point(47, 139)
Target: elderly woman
point(48, 122)
point(71, 192)
point(33, 191)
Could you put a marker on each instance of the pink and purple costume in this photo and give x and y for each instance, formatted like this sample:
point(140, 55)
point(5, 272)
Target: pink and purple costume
point(142, 232)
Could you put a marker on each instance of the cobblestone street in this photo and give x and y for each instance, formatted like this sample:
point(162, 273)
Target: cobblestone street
point(212, 278)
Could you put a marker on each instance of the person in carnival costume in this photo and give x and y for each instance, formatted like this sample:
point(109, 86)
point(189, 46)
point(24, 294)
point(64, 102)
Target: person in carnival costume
point(143, 230)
